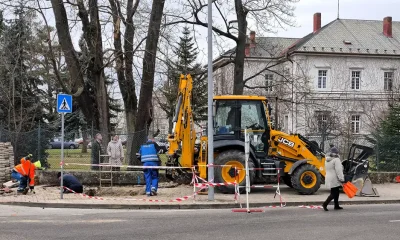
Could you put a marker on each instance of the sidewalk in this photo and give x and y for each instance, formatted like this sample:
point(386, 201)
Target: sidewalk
point(181, 197)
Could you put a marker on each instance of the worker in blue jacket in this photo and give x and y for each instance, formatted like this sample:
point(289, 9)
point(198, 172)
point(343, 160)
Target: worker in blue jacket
point(70, 182)
point(149, 157)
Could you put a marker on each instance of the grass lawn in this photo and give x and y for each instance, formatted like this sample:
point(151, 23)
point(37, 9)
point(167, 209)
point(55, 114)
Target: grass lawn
point(76, 156)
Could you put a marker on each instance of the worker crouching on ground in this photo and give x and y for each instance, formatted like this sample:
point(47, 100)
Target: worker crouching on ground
point(148, 156)
point(24, 173)
point(334, 177)
point(70, 182)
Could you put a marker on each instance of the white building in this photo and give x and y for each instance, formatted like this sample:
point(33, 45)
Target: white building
point(338, 83)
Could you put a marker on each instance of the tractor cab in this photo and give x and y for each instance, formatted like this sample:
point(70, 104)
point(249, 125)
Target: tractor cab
point(234, 114)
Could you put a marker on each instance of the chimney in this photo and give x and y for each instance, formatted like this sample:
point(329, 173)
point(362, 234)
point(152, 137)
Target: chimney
point(387, 27)
point(247, 50)
point(317, 22)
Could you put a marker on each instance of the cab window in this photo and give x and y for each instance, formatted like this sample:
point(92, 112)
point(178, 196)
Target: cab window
point(225, 118)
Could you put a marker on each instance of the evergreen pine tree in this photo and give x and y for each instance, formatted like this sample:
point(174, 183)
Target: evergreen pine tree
point(22, 100)
point(387, 141)
point(186, 63)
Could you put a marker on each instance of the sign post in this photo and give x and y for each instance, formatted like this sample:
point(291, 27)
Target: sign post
point(64, 105)
point(210, 83)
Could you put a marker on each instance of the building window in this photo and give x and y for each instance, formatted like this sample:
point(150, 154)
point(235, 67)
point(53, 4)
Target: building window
point(322, 78)
point(355, 123)
point(388, 81)
point(322, 119)
point(268, 82)
point(355, 80)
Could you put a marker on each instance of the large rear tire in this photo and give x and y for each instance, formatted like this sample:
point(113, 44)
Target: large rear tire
point(306, 179)
point(235, 158)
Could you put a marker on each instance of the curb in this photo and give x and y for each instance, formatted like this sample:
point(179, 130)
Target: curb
point(185, 206)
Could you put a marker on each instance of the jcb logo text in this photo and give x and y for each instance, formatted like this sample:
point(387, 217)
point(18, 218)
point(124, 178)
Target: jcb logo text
point(286, 142)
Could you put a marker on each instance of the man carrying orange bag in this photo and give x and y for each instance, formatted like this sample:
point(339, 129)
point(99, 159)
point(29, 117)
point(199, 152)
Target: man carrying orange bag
point(334, 177)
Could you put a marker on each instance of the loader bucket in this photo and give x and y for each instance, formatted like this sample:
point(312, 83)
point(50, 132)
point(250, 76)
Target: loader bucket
point(365, 187)
point(356, 170)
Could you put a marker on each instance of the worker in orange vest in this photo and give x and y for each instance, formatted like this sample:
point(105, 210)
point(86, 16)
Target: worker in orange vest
point(24, 172)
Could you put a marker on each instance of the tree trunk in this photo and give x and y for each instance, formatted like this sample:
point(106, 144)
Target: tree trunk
point(241, 14)
point(170, 124)
point(98, 76)
point(129, 96)
point(84, 142)
point(77, 82)
point(143, 119)
point(125, 78)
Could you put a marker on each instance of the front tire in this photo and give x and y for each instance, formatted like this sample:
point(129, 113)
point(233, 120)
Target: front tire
point(306, 179)
point(235, 158)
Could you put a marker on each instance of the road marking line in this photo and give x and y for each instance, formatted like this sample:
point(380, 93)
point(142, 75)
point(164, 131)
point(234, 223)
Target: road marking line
point(392, 221)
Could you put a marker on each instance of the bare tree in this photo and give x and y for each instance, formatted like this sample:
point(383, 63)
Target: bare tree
point(99, 113)
point(144, 113)
point(124, 61)
point(267, 15)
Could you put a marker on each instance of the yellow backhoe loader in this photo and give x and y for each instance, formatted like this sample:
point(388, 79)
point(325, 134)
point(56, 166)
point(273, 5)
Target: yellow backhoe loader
point(301, 160)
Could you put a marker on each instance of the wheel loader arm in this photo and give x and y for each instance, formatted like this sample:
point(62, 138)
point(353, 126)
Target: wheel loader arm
point(183, 134)
point(297, 148)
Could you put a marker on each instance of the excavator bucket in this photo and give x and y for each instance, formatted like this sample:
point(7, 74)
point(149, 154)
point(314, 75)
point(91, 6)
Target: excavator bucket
point(365, 187)
point(356, 170)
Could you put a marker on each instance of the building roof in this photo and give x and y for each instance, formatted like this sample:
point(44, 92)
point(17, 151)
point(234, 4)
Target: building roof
point(266, 47)
point(351, 36)
point(341, 36)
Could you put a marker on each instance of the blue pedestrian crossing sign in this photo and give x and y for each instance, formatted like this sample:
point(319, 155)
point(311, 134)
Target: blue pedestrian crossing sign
point(64, 103)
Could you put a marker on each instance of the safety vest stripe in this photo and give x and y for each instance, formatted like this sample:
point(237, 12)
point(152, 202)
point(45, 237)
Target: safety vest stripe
point(22, 168)
point(152, 155)
point(144, 158)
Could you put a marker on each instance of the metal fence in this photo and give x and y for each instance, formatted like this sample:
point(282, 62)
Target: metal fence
point(45, 145)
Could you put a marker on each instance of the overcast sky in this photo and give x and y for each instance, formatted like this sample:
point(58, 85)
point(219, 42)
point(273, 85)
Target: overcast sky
point(305, 9)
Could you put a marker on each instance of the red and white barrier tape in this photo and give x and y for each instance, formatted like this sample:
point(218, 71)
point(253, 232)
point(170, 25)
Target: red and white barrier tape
point(214, 184)
point(274, 206)
point(214, 165)
point(311, 207)
point(83, 195)
point(260, 186)
point(128, 166)
point(136, 199)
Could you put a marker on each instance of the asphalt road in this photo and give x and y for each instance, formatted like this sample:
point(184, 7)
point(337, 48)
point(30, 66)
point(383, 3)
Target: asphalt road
point(365, 222)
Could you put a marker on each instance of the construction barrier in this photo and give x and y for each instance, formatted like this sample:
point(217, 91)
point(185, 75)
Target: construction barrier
point(180, 199)
point(203, 184)
point(128, 166)
point(248, 186)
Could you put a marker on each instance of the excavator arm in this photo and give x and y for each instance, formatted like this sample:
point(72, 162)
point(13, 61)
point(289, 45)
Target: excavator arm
point(182, 139)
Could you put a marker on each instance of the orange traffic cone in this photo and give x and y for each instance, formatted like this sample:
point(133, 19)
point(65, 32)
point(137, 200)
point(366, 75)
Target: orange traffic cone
point(350, 189)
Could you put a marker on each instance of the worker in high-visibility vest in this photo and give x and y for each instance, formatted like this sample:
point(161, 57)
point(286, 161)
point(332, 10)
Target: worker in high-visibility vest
point(148, 156)
point(24, 173)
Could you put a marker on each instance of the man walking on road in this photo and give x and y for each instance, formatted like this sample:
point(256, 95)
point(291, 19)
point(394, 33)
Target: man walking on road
point(148, 156)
